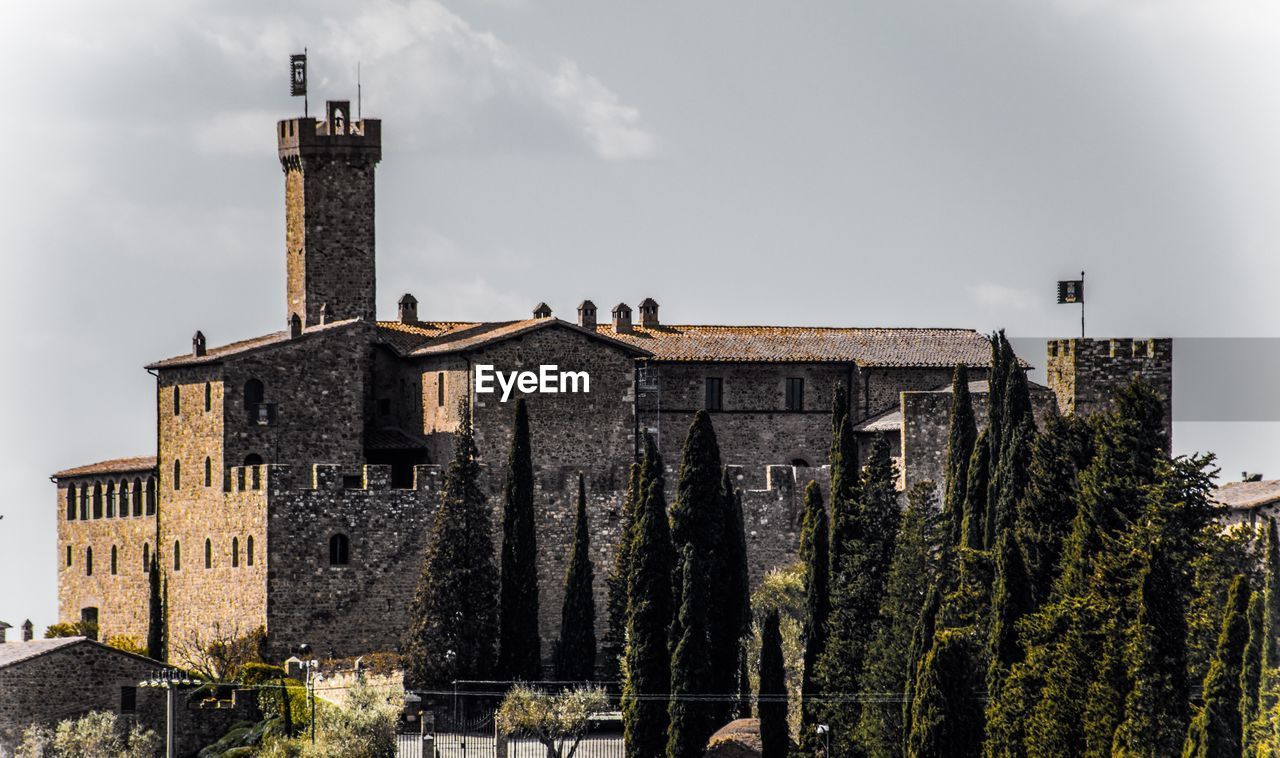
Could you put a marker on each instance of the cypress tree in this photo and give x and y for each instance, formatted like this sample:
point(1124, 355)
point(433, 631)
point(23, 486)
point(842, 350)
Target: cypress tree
point(774, 739)
point(921, 642)
point(691, 719)
point(729, 603)
point(1251, 667)
point(519, 648)
point(814, 554)
point(973, 523)
point(616, 582)
point(1155, 711)
point(1216, 730)
point(1270, 619)
point(1010, 601)
point(946, 719)
point(742, 709)
point(458, 580)
point(1001, 358)
point(647, 674)
point(1044, 516)
point(155, 612)
point(890, 660)
point(960, 441)
point(857, 585)
point(1015, 453)
point(576, 650)
point(845, 524)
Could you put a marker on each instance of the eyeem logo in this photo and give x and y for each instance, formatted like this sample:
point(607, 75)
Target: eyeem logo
point(547, 379)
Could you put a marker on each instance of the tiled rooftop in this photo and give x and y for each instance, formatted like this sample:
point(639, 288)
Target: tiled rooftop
point(140, 463)
point(13, 652)
point(1248, 494)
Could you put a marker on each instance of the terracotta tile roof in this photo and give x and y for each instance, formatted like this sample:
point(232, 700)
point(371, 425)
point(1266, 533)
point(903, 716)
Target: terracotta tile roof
point(480, 335)
point(889, 421)
point(1247, 495)
point(14, 652)
point(215, 354)
point(113, 466)
point(408, 337)
point(866, 347)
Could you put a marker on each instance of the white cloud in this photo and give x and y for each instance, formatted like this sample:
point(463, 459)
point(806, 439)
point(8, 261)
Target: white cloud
point(1000, 298)
point(1230, 19)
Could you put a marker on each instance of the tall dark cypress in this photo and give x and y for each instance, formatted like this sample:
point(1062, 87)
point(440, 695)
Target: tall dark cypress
point(616, 582)
point(1015, 452)
point(1251, 668)
point(814, 554)
point(1216, 730)
point(973, 524)
point(458, 580)
point(1060, 452)
point(576, 650)
point(691, 717)
point(519, 647)
point(1001, 357)
point(845, 524)
point(1270, 619)
point(946, 720)
point(730, 602)
point(698, 509)
point(155, 612)
point(647, 681)
point(1156, 711)
point(921, 643)
point(1010, 601)
point(960, 442)
point(774, 738)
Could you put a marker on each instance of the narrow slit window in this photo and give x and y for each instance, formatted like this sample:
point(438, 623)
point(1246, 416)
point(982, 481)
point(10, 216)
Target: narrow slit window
point(714, 393)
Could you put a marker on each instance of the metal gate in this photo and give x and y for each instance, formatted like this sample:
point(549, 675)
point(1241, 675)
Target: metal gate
point(465, 738)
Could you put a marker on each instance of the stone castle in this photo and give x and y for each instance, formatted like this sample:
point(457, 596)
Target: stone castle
point(296, 474)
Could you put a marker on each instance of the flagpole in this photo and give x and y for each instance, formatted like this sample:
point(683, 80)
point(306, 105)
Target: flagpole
point(305, 98)
point(1082, 305)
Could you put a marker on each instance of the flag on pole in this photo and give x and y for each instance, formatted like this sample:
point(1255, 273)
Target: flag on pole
point(1071, 291)
point(298, 75)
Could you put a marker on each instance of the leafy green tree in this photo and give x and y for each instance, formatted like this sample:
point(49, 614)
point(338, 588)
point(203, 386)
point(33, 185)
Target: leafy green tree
point(960, 441)
point(1216, 729)
point(691, 722)
point(155, 611)
point(947, 712)
point(774, 734)
point(647, 673)
point(1155, 710)
point(558, 722)
point(815, 555)
point(890, 660)
point(576, 650)
point(729, 603)
point(453, 625)
point(616, 582)
point(519, 648)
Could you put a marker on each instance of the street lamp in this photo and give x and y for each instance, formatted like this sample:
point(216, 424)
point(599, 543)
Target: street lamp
point(825, 731)
point(169, 679)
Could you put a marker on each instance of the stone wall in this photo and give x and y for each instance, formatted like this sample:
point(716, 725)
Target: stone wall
point(1085, 374)
point(65, 682)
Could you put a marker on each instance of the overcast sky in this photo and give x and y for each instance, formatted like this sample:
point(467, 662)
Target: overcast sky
point(896, 163)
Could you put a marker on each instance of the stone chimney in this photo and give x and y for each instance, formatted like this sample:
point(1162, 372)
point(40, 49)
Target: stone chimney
point(3, 627)
point(28, 631)
point(587, 315)
point(542, 310)
point(408, 309)
point(295, 326)
point(622, 317)
point(648, 312)
point(198, 344)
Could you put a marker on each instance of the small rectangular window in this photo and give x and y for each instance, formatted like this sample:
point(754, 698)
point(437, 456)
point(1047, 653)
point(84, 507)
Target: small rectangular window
point(795, 393)
point(440, 389)
point(68, 555)
point(384, 406)
point(128, 699)
point(714, 393)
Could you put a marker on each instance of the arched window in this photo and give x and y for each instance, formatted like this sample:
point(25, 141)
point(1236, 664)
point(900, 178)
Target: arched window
point(177, 555)
point(339, 550)
point(135, 493)
point(235, 552)
point(122, 495)
point(208, 553)
point(114, 558)
point(97, 500)
point(71, 502)
point(208, 397)
point(111, 499)
point(248, 550)
point(146, 557)
point(88, 561)
point(253, 459)
point(177, 400)
point(151, 496)
point(208, 471)
point(84, 501)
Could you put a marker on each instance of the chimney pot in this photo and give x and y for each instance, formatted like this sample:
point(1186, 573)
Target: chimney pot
point(622, 317)
point(28, 631)
point(408, 309)
point(198, 344)
point(648, 312)
point(587, 315)
point(542, 310)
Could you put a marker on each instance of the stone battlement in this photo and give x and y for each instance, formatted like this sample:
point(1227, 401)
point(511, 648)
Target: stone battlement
point(1156, 349)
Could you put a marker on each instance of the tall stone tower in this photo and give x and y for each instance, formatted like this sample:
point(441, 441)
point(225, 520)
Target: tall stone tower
point(1085, 374)
point(328, 194)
